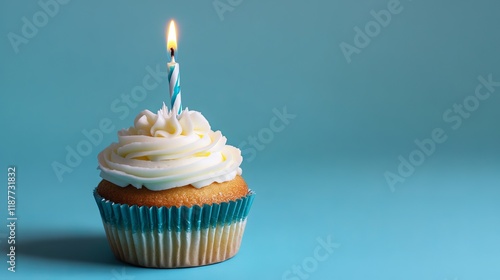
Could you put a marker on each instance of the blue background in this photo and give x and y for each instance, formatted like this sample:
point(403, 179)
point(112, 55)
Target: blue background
point(323, 175)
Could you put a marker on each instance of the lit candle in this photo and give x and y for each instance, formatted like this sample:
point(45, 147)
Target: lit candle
point(174, 78)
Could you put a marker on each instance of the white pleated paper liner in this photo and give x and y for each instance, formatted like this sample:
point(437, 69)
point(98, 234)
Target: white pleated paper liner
point(168, 237)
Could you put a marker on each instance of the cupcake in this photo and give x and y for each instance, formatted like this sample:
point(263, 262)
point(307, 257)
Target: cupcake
point(171, 193)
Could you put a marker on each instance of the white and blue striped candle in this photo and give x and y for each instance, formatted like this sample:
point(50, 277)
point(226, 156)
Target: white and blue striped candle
point(174, 78)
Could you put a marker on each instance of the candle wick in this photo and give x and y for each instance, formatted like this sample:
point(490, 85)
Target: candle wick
point(172, 52)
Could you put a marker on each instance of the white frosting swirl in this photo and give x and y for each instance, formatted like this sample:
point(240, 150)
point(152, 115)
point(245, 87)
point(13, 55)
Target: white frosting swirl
point(163, 151)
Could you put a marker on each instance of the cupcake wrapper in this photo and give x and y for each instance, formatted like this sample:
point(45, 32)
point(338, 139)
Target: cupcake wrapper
point(174, 236)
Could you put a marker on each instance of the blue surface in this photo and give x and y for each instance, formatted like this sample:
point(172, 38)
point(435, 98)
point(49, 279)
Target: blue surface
point(321, 131)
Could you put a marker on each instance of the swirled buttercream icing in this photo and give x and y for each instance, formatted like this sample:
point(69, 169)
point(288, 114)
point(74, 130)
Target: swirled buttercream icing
point(164, 150)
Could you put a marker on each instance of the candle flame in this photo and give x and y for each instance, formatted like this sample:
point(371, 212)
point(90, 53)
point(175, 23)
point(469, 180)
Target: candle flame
point(172, 37)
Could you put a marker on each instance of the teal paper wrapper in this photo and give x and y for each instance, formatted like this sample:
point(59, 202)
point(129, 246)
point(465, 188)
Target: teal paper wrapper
point(174, 236)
